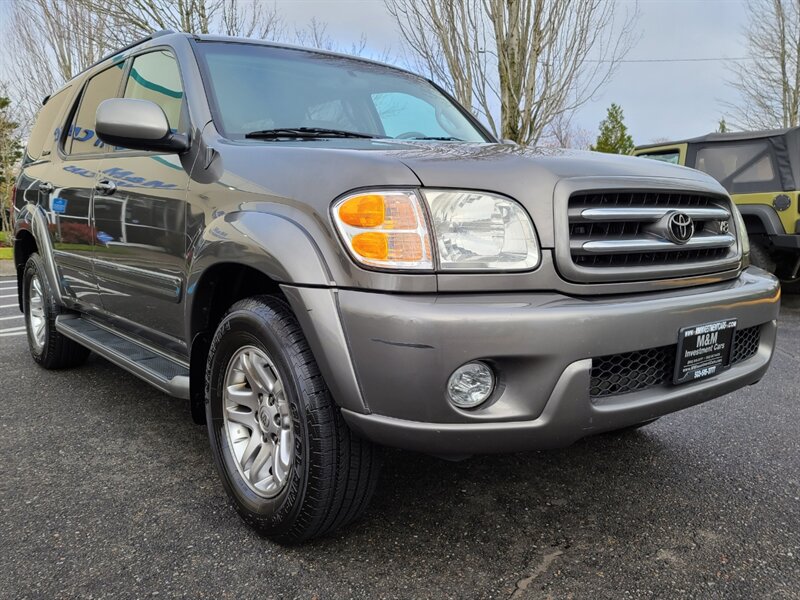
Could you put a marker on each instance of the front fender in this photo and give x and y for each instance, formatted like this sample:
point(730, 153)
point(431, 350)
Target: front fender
point(273, 244)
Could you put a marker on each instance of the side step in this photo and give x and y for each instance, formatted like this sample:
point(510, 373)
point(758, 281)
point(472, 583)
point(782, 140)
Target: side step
point(160, 371)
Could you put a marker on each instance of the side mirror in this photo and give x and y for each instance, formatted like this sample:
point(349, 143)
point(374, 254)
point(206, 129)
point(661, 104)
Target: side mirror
point(137, 125)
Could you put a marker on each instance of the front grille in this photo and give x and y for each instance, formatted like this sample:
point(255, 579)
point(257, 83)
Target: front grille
point(612, 231)
point(634, 371)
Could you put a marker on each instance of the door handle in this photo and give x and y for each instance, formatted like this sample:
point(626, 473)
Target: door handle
point(46, 187)
point(106, 187)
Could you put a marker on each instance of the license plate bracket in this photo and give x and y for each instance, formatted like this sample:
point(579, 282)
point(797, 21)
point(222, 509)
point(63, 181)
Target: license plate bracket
point(704, 350)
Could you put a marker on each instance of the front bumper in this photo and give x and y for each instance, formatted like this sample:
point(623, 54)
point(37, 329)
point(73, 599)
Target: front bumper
point(541, 346)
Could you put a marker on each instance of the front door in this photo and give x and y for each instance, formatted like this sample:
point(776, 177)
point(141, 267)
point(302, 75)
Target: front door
point(139, 216)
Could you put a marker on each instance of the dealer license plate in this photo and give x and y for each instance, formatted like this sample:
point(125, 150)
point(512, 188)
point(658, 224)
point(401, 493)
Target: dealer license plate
point(704, 350)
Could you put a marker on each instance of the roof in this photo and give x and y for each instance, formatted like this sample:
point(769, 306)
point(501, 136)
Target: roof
point(735, 136)
point(254, 41)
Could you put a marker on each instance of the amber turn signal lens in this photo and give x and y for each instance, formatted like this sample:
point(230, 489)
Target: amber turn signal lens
point(394, 246)
point(373, 244)
point(363, 211)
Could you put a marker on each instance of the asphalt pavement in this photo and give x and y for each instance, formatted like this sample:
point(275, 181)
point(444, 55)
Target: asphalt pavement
point(107, 491)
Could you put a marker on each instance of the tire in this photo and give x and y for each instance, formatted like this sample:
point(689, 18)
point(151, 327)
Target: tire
point(760, 256)
point(262, 380)
point(48, 347)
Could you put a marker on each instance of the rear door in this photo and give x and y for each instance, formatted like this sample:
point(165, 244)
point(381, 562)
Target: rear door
point(66, 188)
point(139, 215)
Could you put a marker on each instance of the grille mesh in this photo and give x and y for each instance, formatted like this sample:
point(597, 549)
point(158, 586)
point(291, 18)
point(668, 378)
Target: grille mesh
point(654, 198)
point(745, 343)
point(673, 257)
point(634, 371)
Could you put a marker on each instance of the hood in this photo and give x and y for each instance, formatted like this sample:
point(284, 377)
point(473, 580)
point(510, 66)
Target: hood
point(435, 163)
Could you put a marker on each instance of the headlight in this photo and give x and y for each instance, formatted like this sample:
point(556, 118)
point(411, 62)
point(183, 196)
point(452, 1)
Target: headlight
point(741, 231)
point(474, 231)
point(479, 231)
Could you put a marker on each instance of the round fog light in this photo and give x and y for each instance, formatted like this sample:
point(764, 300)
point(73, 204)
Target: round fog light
point(470, 385)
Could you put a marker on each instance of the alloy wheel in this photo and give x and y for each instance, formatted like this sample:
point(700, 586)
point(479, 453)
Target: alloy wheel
point(258, 421)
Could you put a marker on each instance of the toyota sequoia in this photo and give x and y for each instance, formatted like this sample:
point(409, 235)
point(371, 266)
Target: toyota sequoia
point(325, 255)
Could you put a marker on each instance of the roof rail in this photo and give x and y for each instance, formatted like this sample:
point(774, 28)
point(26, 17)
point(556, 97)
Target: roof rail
point(152, 36)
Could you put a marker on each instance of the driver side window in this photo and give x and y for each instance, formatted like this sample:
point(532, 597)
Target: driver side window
point(155, 77)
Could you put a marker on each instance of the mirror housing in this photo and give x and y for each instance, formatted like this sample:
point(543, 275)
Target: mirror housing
point(137, 125)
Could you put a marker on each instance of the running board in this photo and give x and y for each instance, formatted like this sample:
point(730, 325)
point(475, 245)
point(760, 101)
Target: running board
point(160, 371)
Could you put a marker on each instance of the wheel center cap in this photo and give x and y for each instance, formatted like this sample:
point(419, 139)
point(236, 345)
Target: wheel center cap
point(264, 420)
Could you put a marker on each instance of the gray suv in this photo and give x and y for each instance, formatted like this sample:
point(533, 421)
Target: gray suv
point(325, 254)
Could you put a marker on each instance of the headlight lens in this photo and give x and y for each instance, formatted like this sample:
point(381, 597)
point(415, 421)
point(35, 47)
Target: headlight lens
point(741, 231)
point(480, 231)
point(474, 231)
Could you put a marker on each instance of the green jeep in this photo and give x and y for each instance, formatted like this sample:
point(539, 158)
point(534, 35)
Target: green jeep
point(761, 171)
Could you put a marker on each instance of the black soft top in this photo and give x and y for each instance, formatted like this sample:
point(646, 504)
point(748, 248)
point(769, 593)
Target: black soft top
point(733, 136)
point(784, 145)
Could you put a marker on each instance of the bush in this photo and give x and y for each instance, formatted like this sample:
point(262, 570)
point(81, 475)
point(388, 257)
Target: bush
point(75, 233)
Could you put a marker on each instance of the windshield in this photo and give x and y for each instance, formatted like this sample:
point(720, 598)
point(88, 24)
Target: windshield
point(257, 88)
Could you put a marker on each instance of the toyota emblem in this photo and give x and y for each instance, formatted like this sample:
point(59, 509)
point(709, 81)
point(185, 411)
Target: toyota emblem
point(681, 227)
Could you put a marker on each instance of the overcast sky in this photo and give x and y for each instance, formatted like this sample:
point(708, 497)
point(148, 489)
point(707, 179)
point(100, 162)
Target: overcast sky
point(660, 99)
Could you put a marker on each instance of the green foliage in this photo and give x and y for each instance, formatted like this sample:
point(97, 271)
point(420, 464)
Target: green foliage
point(10, 153)
point(614, 137)
point(723, 126)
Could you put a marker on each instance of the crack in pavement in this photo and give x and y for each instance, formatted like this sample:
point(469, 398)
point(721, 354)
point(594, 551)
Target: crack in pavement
point(541, 569)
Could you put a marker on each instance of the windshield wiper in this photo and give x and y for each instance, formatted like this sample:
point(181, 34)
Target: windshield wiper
point(306, 132)
point(436, 138)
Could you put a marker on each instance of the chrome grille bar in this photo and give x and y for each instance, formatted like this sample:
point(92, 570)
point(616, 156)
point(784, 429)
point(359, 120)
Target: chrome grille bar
point(645, 214)
point(610, 246)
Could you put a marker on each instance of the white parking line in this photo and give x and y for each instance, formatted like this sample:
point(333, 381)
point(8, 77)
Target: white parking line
point(8, 306)
point(10, 287)
point(11, 317)
point(8, 329)
point(13, 333)
point(9, 296)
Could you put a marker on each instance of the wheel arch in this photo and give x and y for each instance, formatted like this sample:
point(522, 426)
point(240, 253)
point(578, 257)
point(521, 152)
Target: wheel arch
point(240, 255)
point(761, 219)
point(24, 246)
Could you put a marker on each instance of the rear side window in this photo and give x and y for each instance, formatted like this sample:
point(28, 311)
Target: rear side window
point(47, 128)
point(155, 77)
point(82, 138)
point(741, 168)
